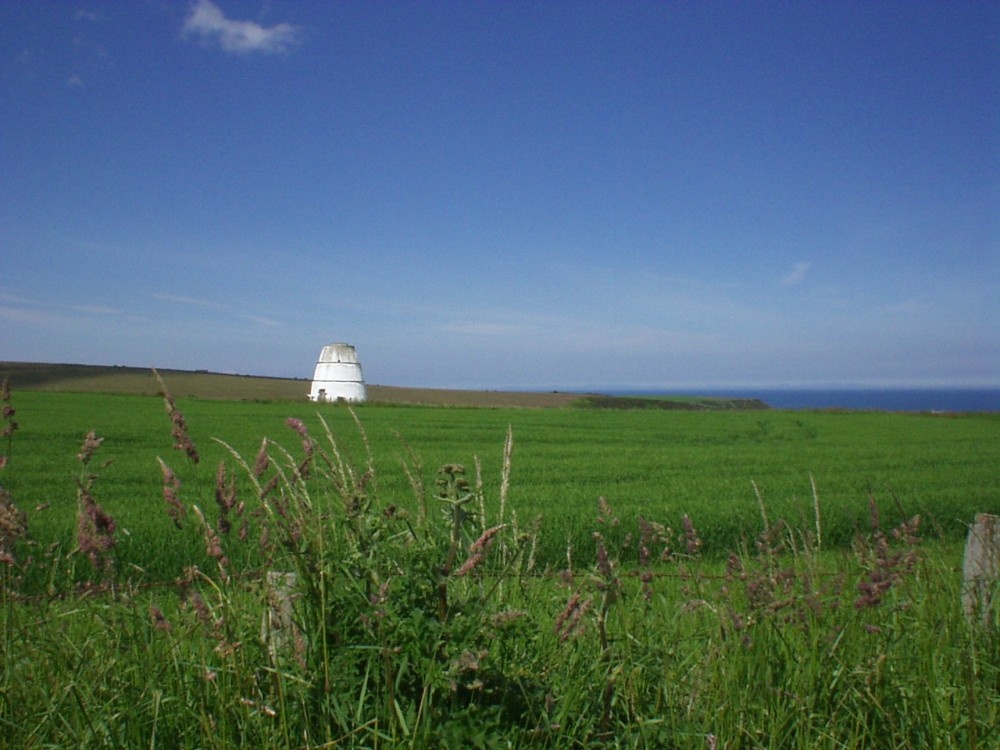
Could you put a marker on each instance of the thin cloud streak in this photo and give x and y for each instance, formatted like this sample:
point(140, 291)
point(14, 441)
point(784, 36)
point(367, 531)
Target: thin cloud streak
point(483, 329)
point(189, 301)
point(95, 310)
point(210, 305)
point(797, 275)
point(261, 321)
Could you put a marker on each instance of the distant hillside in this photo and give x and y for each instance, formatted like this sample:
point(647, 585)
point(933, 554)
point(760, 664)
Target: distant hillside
point(35, 376)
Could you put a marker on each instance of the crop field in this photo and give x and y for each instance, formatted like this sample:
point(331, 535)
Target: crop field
point(490, 577)
point(657, 465)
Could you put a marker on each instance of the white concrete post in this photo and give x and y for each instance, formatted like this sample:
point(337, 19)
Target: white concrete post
point(277, 629)
point(981, 569)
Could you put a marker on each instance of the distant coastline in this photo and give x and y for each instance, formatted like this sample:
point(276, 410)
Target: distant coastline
point(206, 384)
point(956, 400)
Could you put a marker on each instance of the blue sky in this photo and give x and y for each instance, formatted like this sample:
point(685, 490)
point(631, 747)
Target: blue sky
point(550, 195)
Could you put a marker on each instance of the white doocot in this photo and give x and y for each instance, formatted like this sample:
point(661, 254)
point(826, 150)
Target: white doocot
point(338, 375)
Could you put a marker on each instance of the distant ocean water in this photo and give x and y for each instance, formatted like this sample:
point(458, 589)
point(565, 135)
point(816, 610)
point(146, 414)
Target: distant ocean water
point(883, 399)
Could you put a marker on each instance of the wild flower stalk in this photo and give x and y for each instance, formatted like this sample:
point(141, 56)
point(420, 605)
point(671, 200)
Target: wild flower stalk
point(225, 497)
point(202, 611)
point(338, 469)
point(508, 461)
point(652, 535)
point(605, 514)
point(480, 492)
point(308, 446)
point(9, 425)
point(478, 550)
point(159, 620)
point(570, 621)
point(819, 526)
point(761, 505)
point(262, 460)
point(171, 486)
point(607, 583)
point(95, 529)
point(179, 428)
point(13, 526)
point(692, 542)
point(213, 544)
point(13, 521)
point(887, 569)
point(414, 469)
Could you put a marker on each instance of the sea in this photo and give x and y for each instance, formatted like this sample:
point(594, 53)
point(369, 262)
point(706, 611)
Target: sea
point(881, 399)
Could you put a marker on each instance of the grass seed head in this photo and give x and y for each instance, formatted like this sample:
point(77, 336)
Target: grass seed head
point(178, 425)
point(90, 445)
point(171, 485)
point(95, 530)
point(13, 526)
point(160, 622)
point(570, 621)
point(605, 513)
point(262, 461)
point(692, 541)
point(8, 411)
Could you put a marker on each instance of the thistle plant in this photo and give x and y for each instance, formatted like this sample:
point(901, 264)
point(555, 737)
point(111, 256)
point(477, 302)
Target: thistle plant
point(455, 493)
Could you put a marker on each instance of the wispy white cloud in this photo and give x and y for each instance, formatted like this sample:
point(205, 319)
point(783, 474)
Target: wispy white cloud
point(207, 21)
point(15, 300)
point(261, 321)
point(14, 305)
point(179, 299)
point(32, 316)
point(95, 309)
point(483, 328)
point(797, 274)
point(47, 315)
point(905, 307)
point(189, 301)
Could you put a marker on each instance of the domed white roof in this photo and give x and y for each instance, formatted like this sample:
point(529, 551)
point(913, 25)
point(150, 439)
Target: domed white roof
point(338, 375)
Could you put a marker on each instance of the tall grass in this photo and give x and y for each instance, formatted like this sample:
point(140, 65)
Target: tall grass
point(429, 621)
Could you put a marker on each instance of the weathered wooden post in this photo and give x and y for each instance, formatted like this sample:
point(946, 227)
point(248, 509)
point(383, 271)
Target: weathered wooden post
point(277, 629)
point(981, 569)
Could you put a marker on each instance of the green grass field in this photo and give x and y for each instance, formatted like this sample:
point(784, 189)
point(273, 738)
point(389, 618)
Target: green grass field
point(656, 464)
point(430, 611)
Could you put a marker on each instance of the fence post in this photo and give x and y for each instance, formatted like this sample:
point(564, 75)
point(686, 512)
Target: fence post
point(277, 629)
point(981, 569)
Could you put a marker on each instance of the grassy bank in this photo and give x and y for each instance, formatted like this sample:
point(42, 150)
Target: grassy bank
point(750, 579)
